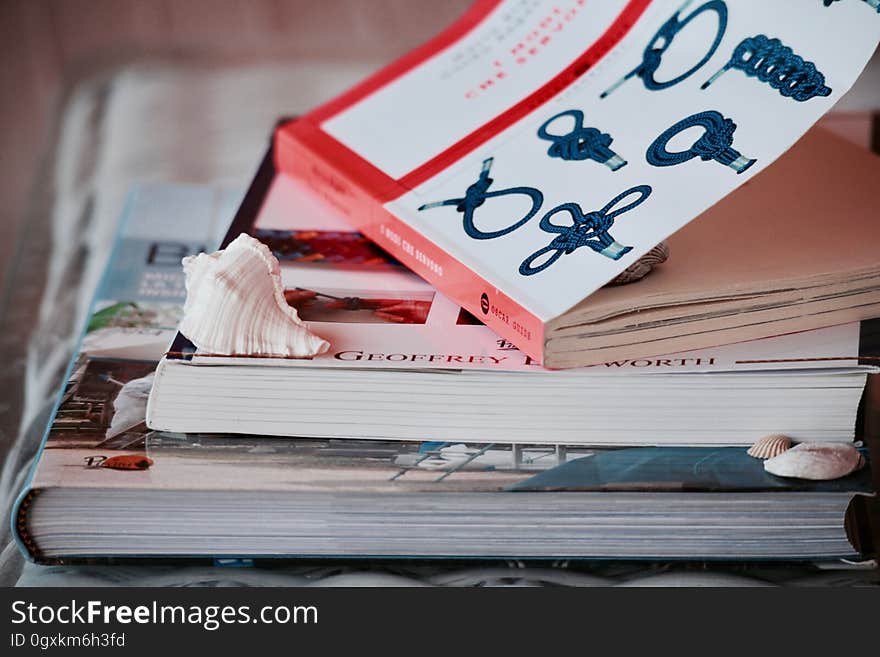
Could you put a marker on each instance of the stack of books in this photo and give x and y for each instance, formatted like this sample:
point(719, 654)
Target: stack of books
point(421, 433)
point(498, 404)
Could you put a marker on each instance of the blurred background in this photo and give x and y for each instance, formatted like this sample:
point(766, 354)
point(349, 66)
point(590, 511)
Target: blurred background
point(46, 46)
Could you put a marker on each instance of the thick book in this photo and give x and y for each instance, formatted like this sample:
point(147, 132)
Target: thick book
point(531, 152)
point(107, 487)
point(406, 362)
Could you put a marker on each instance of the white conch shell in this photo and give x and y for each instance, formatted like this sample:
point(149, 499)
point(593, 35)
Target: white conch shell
point(769, 446)
point(817, 461)
point(235, 305)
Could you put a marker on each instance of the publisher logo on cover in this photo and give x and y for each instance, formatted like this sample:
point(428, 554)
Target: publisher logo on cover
point(484, 303)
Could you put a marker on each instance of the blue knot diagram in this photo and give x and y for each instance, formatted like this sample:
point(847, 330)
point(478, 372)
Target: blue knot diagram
point(771, 61)
point(476, 195)
point(580, 143)
point(714, 144)
point(652, 56)
point(875, 4)
point(590, 230)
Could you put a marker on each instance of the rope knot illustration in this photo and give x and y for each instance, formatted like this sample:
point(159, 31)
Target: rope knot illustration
point(590, 229)
point(477, 194)
point(715, 144)
point(874, 4)
point(771, 61)
point(652, 56)
point(580, 143)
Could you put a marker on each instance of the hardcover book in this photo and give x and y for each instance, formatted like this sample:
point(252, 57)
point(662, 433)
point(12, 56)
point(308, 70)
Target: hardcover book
point(107, 487)
point(534, 150)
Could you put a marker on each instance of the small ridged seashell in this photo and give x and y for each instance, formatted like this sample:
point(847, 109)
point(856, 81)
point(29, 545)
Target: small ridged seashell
point(235, 305)
point(817, 461)
point(769, 446)
point(643, 266)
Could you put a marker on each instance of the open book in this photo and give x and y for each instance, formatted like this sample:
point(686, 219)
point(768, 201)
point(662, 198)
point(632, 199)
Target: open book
point(531, 152)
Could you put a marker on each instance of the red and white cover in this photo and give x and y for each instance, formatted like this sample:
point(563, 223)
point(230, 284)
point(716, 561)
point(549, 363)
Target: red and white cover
point(696, 99)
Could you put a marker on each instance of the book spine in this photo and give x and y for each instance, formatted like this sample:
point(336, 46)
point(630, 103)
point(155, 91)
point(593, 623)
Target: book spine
point(304, 152)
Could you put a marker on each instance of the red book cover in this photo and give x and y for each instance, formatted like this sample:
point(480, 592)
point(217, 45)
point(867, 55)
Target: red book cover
point(534, 150)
